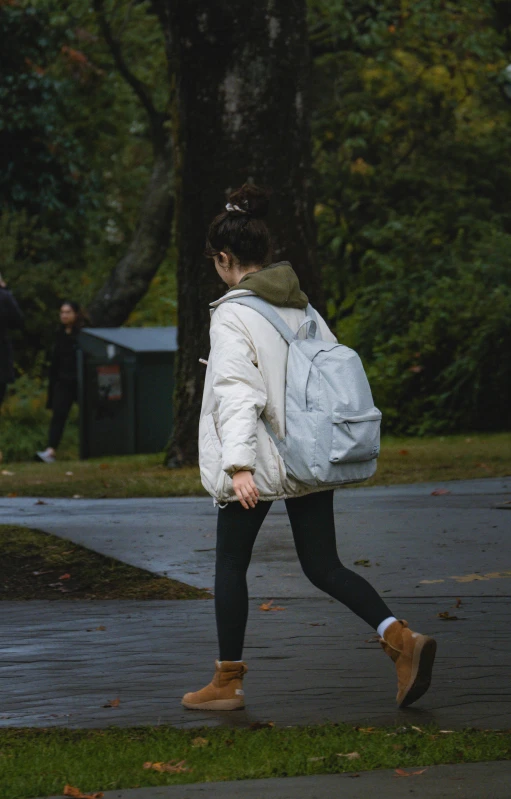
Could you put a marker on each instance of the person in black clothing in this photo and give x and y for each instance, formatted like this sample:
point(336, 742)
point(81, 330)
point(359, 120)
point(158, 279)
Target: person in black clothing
point(10, 317)
point(63, 385)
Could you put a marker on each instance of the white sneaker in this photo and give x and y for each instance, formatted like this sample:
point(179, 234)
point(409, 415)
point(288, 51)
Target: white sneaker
point(45, 457)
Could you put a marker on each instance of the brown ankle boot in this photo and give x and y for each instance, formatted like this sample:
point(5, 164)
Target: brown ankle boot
point(413, 655)
point(225, 691)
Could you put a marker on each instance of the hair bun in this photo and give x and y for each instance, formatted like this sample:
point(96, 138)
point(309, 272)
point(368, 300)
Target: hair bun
point(254, 200)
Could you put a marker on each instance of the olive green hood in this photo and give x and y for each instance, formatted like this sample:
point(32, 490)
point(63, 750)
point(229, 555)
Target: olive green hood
point(277, 283)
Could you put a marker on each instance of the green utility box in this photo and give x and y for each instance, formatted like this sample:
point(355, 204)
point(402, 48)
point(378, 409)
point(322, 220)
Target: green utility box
point(125, 389)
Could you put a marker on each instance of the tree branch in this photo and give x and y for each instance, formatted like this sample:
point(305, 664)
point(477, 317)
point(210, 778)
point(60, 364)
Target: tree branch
point(140, 89)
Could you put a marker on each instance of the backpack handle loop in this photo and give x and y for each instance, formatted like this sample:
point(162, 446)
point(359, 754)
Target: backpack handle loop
point(311, 332)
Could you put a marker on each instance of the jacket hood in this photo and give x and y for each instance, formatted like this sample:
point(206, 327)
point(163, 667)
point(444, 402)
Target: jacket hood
point(277, 283)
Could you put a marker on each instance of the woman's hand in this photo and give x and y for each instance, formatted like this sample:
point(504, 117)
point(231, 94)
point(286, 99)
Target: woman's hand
point(245, 489)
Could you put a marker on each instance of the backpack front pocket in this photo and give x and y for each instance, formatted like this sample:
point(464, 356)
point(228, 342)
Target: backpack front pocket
point(355, 437)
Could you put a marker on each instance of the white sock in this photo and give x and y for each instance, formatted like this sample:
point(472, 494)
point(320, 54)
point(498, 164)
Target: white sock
point(232, 661)
point(384, 624)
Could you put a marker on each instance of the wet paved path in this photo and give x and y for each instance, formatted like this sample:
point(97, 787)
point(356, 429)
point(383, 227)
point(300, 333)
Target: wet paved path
point(406, 533)
point(310, 663)
point(465, 781)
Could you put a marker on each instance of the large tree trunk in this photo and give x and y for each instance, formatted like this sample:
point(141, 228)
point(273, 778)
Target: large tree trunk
point(130, 279)
point(242, 113)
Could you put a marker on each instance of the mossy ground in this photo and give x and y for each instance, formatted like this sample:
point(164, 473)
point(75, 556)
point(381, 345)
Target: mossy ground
point(36, 565)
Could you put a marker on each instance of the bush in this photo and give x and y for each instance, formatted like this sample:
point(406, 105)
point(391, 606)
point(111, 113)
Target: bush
point(436, 343)
point(24, 422)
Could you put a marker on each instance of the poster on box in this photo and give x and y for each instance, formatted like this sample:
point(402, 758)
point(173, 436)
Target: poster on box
point(109, 382)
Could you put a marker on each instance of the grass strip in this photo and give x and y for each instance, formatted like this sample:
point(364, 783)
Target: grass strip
point(402, 460)
point(36, 763)
point(37, 565)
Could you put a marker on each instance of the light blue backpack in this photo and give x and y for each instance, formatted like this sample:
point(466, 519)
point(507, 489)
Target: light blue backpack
point(332, 424)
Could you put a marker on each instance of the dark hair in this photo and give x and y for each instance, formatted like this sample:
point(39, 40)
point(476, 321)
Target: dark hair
point(242, 231)
point(81, 316)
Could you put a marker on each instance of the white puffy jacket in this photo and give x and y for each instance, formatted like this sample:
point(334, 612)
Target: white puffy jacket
point(246, 375)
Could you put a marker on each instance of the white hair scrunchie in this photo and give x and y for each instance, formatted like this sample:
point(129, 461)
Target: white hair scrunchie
point(231, 207)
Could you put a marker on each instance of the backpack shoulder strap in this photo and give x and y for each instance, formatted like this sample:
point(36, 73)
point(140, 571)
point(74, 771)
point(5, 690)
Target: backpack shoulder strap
point(269, 313)
point(312, 314)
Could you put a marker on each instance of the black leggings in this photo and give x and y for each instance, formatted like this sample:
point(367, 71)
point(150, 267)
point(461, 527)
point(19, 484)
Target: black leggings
point(312, 523)
point(64, 394)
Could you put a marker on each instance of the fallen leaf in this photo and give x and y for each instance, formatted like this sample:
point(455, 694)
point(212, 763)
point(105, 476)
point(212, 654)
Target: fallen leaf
point(77, 496)
point(69, 790)
point(68, 474)
point(446, 616)
point(7, 473)
point(317, 624)
point(113, 703)
point(12, 495)
point(314, 759)
point(261, 725)
point(269, 606)
point(404, 452)
point(397, 747)
point(172, 767)
point(446, 732)
point(65, 576)
point(431, 582)
point(402, 773)
point(197, 742)
point(40, 502)
point(365, 729)
point(104, 466)
point(374, 640)
point(469, 578)
point(439, 492)
point(349, 755)
point(362, 562)
point(94, 629)
point(496, 575)
point(416, 369)
point(458, 603)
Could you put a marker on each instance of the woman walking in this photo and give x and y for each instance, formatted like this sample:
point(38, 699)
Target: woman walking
point(63, 385)
point(241, 466)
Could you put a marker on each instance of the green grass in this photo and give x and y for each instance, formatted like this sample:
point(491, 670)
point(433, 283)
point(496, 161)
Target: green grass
point(40, 762)
point(36, 565)
point(403, 460)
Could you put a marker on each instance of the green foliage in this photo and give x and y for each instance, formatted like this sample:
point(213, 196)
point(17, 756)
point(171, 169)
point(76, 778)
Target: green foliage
point(411, 135)
point(434, 341)
point(24, 421)
point(72, 189)
point(42, 166)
